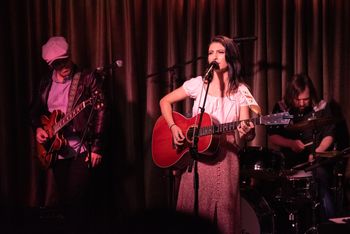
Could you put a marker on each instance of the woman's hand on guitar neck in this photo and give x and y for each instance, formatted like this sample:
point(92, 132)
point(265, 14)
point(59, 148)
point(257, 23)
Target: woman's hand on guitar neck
point(41, 135)
point(246, 128)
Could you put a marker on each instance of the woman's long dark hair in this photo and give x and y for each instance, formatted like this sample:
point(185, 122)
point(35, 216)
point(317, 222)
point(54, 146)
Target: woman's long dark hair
point(233, 60)
point(297, 85)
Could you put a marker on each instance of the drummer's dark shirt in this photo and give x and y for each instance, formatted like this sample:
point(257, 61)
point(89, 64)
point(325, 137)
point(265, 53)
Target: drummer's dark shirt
point(306, 134)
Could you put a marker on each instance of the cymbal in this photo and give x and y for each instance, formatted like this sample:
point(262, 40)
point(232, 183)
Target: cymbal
point(310, 123)
point(328, 154)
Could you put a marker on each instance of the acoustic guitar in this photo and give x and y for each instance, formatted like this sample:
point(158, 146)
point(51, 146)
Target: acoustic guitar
point(52, 124)
point(164, 152)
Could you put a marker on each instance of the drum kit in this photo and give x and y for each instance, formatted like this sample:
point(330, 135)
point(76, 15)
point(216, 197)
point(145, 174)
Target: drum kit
point(277, 200)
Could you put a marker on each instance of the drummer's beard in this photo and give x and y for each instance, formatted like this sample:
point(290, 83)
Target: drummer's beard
point(305, 109)
point(300, 112)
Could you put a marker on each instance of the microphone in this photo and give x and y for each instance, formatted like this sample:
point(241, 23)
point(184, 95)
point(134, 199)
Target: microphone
point(209, 74)
point(115, 64)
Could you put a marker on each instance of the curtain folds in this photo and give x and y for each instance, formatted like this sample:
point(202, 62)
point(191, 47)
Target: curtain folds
point(156, 39)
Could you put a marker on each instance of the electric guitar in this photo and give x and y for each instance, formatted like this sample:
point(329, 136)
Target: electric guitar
point(164, 152)
point(52, 124)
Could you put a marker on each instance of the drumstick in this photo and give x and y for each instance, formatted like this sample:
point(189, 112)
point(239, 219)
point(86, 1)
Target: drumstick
point(310, 143)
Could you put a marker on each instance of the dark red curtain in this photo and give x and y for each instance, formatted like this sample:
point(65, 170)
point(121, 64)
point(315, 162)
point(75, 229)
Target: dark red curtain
point(155, 39)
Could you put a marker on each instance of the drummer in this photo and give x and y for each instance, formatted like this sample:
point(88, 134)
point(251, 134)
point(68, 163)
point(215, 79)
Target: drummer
point(310, 133)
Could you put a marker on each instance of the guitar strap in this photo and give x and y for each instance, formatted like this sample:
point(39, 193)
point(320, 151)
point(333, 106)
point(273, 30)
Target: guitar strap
point(73, 91)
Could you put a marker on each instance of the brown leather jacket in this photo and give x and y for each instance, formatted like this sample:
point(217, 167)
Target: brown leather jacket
point(88, 84)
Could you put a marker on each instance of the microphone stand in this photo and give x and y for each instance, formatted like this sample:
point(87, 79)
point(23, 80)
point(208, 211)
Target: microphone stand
point(172, 68)
point(194, 148)
point(87, 134)
point(171, 173)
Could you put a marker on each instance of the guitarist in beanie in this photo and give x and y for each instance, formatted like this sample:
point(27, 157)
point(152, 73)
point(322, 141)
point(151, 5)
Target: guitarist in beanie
point(68, 119)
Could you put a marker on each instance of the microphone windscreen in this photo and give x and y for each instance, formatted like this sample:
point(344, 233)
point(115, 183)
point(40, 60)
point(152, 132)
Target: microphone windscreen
point(214, 64)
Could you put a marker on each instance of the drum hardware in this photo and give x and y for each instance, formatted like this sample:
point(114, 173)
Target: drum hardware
point(293, 214)
point(260, 163)
point(313, 228)
point(291, 205)
point(312, 123)
point(263, 175)
point(298, 192)
point(298, 199)
point(302, 183)
point(329, 159)
point(260, 168)
point(292, 217)
point(338, 187)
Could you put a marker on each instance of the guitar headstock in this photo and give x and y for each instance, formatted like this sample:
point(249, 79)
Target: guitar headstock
point(282, 118)
point(97, 99)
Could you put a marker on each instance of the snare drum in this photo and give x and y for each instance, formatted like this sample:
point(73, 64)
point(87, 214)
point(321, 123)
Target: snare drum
point(301, 183)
